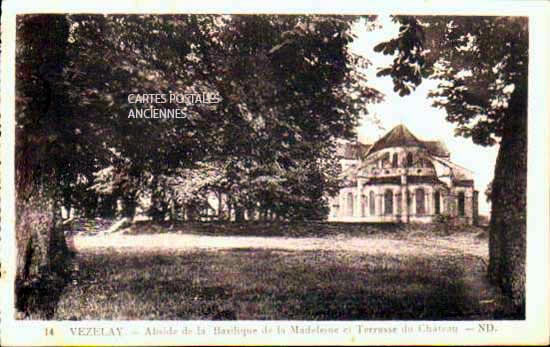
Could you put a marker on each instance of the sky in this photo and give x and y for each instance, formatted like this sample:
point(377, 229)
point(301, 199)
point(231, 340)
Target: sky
point(416, 113)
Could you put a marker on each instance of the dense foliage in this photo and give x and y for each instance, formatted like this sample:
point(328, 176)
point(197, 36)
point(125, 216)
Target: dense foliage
point(288, 88)
point(481, 63)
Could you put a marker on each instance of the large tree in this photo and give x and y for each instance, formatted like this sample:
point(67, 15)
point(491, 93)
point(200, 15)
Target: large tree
point(481, 64)
point(44, 148)
point(288, 85)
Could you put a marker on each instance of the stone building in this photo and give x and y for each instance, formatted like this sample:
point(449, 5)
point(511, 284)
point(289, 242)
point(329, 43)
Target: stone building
point(400, 178)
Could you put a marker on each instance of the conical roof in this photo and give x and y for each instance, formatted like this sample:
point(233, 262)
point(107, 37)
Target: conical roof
point(399, 136)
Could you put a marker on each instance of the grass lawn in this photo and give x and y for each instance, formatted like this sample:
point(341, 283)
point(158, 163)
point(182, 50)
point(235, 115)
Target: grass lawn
point(266, 279)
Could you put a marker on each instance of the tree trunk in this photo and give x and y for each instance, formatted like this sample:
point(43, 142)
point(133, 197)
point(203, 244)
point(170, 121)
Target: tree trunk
point(41, 247)
point(229, 207)
point(172, 210)
point(191, 213)
point(107, 206)
point(220, 204)
point(159, 207)
point(129, 205)
point(507, 246)
point(239, 214)
point(41, 256)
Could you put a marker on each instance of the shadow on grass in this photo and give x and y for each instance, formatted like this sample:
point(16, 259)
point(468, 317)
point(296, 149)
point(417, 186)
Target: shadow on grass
point(266, 228)
point(38, 297)
point(256, 284)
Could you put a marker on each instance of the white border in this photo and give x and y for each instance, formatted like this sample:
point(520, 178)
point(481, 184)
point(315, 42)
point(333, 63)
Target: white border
point(534, 330)
point(7, 250)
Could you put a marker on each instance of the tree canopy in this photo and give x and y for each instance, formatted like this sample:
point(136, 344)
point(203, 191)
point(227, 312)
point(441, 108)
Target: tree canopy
point(480, 62)
point(288, 87)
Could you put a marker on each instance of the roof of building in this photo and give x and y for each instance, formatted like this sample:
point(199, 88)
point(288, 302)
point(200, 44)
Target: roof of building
point(401, 136)
point(397, 137)
point(437, 148)
point(459, 173)
point(349, 150)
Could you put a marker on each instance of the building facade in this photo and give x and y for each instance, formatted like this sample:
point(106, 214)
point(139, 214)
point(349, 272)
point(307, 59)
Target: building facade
point(402, 179)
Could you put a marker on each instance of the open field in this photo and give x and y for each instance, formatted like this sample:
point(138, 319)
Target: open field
point(185, 276)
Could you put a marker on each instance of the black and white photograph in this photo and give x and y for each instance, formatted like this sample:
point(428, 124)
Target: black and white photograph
point(273, 167)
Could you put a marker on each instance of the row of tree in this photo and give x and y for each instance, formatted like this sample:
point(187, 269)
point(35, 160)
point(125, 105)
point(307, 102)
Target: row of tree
point(288, 85)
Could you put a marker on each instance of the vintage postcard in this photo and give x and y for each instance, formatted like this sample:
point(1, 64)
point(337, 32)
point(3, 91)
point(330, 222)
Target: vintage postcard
point(298, 173)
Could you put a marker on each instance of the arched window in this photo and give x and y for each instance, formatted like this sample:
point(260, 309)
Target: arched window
point(409, 201)
point(420, 206)
point(394, 160)
point(363, 206)
point(409, 159)
point(437, 202)
point(399, 203)
point(350, 204)
point(371, 203)
point(388, 202)
point(461, 211)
